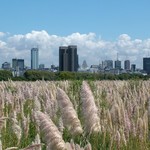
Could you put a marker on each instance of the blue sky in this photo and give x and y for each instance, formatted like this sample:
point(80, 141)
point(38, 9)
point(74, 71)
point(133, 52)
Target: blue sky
point(100, 29)
point(107, 18)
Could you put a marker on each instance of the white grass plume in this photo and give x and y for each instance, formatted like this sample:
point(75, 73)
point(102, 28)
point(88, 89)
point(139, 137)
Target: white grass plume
point(33, 147)
point(52, 136)
point(2, 121)
point(90, 111)
point(149, 117)
point(0, 143)
point(69, 115)
point(12, 148)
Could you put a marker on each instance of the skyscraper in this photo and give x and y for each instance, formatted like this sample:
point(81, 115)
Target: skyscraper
point(127, 64)
point(18, 64)
point(63, 58)
point(68, 58)
point(34, 58)
point(107, 64)
point(146, 64)
point(117, 64)
point(133, 67)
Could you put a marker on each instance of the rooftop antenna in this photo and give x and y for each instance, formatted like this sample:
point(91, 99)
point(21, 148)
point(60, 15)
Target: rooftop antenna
point(117, 56)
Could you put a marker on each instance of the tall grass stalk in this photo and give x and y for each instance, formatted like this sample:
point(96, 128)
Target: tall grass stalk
point(68, 113)
point(89, 109)
point(52, 136)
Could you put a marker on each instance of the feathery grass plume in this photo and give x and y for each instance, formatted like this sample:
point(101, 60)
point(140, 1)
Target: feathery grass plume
point(37, 139)
point(90, 111)
point(52, 136)
point(123, 138)
point(25, 124)
point(139, 128)
point(2, 121)
point(69, 115)
point(72, 144)
point(60, 125)
point(37, 104)
point(116, 115)
point(11, 148)
point(118, 139)
point(77, 147)
point(145, 123)
point(37, 143)
point(149, 118)
point(0, 142)
point(15, 127)
point(109, 120)
point(68, 146)
point(32, 147)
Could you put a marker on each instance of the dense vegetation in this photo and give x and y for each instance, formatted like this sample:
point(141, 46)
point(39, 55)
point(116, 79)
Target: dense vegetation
point(75, 115)
point(33, 75)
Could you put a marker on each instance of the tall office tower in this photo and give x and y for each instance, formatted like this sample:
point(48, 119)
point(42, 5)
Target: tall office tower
point(18, 64)
point(146, 64)
point(68, 58)
point(133, 67)
point(34, 58)
point(117, 64)
point(63, 58)
point(14, 63)
point(127, 64)
point(107, 64)
point(72, 58)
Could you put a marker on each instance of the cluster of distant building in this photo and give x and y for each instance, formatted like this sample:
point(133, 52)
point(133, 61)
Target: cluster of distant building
point(68, 61)
point(107, 67)
point(18, 66)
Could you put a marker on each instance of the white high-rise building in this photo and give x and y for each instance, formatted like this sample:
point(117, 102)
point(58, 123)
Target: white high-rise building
point(34, 58)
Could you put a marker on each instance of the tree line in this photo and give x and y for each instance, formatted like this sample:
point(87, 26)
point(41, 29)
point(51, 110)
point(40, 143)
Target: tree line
point(33, 75)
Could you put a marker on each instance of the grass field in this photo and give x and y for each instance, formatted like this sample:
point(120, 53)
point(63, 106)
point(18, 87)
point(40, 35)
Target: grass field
point(75, 115)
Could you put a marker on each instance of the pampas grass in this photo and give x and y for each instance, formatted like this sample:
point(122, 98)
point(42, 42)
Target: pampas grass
point(119, 111)
point(12, 148)
point(69, 115)
point(89, 109)
point(149, 117)
point(52, 136)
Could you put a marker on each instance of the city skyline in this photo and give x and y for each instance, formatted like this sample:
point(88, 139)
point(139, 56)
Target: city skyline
point(100, 29)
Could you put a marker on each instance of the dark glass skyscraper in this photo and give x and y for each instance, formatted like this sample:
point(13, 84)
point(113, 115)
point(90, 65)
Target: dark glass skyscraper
point(127, 64)
point(117, 64)
point(146, 65)
point(68, 58)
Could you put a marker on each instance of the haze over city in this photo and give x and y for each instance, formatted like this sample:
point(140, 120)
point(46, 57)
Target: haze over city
point(99, 28)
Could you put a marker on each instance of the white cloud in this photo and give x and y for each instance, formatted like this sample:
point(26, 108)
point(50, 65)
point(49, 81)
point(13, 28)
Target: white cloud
point(2, 34)
point(90, 47)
